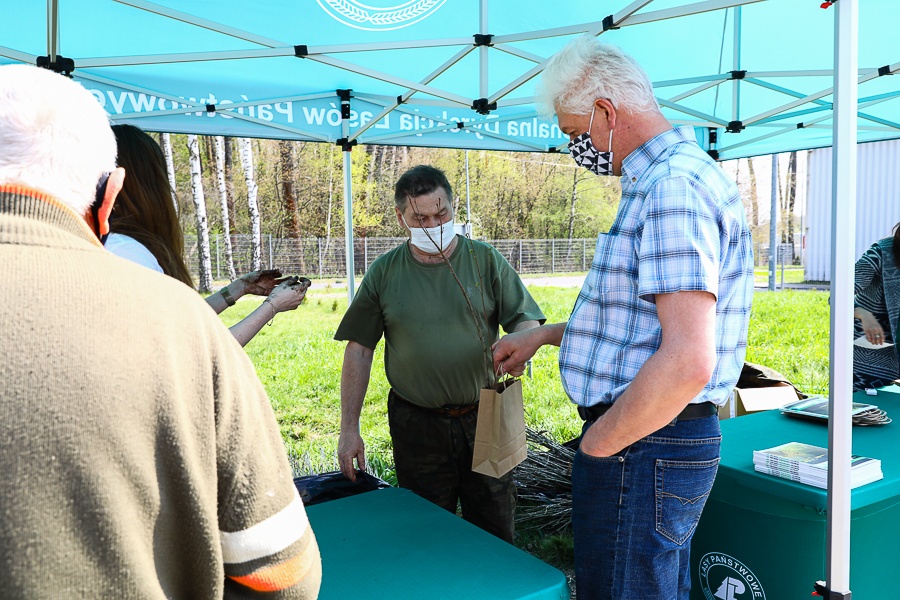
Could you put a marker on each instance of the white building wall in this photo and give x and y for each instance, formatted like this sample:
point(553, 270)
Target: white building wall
point(877, 197)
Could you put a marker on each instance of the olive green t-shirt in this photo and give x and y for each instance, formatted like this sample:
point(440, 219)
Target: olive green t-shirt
point(433, 355)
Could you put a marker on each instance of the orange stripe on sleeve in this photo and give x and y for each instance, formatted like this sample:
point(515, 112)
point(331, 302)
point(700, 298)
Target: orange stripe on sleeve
point(277, 577)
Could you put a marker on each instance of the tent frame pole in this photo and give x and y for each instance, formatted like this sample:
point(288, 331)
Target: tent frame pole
point(843, 235)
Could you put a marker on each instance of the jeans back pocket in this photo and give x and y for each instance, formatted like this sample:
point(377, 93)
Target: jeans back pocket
point(682, 488)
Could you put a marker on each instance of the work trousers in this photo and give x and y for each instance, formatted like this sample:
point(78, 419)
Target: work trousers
point(433, 458)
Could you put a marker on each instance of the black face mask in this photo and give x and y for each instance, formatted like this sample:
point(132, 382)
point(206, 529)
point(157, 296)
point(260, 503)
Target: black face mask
point(98, 202)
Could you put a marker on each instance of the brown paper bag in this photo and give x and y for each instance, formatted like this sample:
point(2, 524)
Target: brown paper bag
point(500, 432)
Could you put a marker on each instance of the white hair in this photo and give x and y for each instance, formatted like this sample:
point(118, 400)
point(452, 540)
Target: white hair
point(54, 136)
point(586, 70)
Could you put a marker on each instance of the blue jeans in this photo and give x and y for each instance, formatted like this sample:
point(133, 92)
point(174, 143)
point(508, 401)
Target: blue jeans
point(634, 513)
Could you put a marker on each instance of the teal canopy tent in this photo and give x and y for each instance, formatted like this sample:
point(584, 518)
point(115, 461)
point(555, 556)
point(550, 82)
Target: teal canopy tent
point(752, 76)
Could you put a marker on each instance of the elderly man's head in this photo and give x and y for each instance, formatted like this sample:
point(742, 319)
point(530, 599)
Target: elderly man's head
point(586, 70)
point(54, 136)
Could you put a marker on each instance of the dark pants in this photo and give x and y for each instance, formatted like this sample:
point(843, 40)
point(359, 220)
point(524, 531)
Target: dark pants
point(433, 458)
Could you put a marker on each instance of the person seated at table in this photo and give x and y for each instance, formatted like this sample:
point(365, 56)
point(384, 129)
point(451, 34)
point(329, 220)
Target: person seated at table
point(145, 229)
point(877, 313)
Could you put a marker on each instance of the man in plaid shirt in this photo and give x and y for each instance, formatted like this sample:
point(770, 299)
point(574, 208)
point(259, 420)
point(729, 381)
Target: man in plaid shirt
point(657, 337)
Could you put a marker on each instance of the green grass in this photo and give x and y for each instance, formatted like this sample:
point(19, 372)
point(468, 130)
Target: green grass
point(789, 332)
point(792, 274)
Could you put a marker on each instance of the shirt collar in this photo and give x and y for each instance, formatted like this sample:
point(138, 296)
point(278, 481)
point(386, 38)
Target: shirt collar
point(646, 154)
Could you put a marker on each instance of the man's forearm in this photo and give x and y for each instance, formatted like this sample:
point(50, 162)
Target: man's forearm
point(673, 376)
point(354, 383)
point(526, 325)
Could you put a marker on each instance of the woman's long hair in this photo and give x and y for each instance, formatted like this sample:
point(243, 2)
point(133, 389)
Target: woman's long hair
point(144, 209)
point(896, 245)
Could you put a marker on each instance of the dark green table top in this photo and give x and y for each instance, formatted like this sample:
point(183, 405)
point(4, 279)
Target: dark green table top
point(392, 544)
point(738, 483)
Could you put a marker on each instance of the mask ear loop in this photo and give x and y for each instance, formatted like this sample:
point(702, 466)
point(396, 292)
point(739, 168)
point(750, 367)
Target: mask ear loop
point(610, 141)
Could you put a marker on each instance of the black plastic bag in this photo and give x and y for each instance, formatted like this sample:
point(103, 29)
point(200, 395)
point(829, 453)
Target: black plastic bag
point(315, 489)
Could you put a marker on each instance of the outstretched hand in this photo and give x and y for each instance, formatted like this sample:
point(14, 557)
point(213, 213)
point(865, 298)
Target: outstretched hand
point(288, 294)
point(512, 351)
point(261, 283)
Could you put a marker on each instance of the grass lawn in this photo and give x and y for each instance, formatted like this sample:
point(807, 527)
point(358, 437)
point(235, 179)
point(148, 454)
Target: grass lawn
point(792, 274)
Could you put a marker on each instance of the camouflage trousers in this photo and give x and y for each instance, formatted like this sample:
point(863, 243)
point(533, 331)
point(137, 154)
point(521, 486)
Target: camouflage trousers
point(433, 458)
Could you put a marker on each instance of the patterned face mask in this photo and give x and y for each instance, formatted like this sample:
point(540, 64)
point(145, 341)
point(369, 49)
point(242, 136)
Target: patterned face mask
point(586, 154)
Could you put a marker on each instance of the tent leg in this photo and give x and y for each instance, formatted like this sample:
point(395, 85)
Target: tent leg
point(843, 232)
point(348, 223)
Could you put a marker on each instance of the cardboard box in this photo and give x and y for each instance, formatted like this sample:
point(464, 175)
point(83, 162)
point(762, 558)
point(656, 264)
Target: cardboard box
point(750, 400)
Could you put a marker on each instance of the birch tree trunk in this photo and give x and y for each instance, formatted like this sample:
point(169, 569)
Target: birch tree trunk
point(219, 147)
point(229, 180)
point(246, 151)
point(200, 210)
point(170, 166)
point(754, 197)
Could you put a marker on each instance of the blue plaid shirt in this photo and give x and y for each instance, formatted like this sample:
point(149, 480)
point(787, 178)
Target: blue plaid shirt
point(680, 227)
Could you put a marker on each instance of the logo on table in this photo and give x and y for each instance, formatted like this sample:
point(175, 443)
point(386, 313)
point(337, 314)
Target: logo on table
point(723, 577)
point(384, 16)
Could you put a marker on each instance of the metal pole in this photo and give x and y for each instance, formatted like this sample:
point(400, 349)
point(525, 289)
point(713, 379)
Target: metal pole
point(348, 223)
point(271, 253)
point(365, 254)
point(553, 256)
point(843, 236)
point(483, 50)
point(773, 223)
point(736, 64)
point(781, 260)
point(348, 193)
point(468, 200)
point(319, 250)
point(53, 30)
point(584, 255)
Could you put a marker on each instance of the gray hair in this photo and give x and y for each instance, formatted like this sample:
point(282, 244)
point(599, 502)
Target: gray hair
point(586, 70)
point(54, 136)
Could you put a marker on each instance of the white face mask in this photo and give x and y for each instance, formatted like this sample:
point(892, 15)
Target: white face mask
point(425, 238)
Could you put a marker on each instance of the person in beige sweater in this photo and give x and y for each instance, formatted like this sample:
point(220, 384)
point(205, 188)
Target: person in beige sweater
point(139, 452)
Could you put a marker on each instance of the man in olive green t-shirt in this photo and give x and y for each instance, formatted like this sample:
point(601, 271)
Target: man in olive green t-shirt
point(436, 360)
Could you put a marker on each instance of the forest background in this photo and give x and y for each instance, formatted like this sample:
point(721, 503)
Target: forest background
point(283, 189)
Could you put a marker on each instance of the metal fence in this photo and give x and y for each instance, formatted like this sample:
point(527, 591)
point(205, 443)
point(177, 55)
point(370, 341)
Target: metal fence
point(787, 254)
point(325, 257)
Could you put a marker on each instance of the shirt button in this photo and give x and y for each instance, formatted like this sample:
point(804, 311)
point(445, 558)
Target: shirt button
point(633, 179)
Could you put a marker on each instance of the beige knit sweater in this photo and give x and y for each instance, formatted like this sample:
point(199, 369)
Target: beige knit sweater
point(139, 455)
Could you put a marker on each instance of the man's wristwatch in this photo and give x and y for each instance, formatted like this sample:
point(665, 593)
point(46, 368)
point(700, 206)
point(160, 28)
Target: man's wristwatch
point(229, 300)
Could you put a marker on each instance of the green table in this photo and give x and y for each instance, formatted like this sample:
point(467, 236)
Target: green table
point(762, 537)
point(392, 544)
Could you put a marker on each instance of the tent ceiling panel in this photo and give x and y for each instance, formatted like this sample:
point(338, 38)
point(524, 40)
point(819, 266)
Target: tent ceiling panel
point(274, 69)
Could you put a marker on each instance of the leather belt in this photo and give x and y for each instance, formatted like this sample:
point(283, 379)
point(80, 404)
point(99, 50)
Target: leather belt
point(690, 412)
point(448, 410)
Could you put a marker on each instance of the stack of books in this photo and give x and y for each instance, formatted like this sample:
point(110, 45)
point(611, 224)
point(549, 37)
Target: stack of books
point(809, 464)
